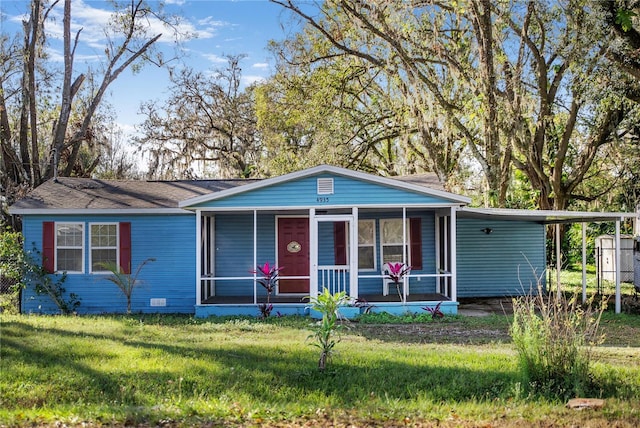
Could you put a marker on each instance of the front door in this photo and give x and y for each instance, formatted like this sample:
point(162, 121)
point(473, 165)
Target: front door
point(293, 254)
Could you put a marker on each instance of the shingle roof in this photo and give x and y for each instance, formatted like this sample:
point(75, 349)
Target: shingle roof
point(86, 193)
point(93, 194)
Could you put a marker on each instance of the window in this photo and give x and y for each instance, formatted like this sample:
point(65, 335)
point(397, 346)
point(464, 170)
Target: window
point(69, 247)
point(366, 244)
point(104, 245)
point(63, 246)
point(391, 238)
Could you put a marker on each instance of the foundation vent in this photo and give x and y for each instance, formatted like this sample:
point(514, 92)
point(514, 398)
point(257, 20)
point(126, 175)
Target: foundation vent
point(158, 302)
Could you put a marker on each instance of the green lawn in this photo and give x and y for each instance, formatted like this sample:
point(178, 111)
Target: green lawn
point(168, 370)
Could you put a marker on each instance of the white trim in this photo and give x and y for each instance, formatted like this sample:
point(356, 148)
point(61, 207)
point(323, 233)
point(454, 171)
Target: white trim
point(77, 211)
point(313, 254)
point(198, 258)
point(322, 169)
point(618, 263)
point(91, 248)
point(454, 256)
point(255, 254)
point(354, 259)
point(305, 208)
point(82, 249)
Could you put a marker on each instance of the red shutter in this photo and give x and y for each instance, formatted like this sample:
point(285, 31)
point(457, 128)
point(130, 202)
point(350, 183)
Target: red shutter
point(340, 242)
point(415, 241)
point(49, 246)
point(125, 248)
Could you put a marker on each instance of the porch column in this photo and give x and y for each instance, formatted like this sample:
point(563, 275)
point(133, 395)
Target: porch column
point(618, 262)
point(198, 257)
point(255, 256)
point(584, 262)
point(313, 254)
point(454, 256)
point(353, 256)
point(404, 253)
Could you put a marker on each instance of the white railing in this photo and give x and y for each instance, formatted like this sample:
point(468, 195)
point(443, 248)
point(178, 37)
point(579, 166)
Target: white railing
point(335, 278)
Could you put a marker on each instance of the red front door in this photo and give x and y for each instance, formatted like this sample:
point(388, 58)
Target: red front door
point(293, 254)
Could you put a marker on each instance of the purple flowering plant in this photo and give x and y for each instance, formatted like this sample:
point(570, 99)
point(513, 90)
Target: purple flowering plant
point(395, 272)
point(268, 279)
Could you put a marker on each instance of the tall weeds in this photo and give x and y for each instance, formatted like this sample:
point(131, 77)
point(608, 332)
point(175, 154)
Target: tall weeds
point(554, 336)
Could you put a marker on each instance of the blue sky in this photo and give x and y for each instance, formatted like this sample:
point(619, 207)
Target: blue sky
point(223, 27)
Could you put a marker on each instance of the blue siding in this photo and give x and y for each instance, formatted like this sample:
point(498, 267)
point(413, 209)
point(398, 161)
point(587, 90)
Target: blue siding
point(234, 251)
point(168, 239)
point(503, 263)
point(171, 241)
point(303, 192)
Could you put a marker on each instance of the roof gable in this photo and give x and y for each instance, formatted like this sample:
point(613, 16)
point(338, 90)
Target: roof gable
point(300, 189)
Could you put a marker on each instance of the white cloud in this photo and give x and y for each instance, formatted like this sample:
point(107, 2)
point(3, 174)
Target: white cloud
point(261, 65)
point(248, 80)
point(216, 59)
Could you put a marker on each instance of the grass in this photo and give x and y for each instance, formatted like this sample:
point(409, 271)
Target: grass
point(177, 370)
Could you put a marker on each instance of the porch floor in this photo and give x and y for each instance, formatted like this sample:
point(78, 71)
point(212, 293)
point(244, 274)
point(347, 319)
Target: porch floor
point(276, 299)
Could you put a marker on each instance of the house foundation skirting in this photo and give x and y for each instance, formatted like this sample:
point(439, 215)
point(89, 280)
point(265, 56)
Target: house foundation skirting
point(303, 309)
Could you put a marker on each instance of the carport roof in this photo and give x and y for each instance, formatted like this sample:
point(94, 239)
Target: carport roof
point(542, 216)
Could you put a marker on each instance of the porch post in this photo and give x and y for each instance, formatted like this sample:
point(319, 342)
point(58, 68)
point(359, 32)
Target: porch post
point(255, 256)
point(353, 256)
point(404, 253)
point(198, 258)
point(584, 262)
point(313, 254)
point(454, 256)
point(558, 256)
point(437, 249)
point(618, 262)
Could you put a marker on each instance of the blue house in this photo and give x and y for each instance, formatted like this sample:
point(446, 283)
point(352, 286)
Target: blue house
point(326, 227)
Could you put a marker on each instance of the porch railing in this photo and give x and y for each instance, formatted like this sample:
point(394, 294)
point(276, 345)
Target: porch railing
point(335, 278)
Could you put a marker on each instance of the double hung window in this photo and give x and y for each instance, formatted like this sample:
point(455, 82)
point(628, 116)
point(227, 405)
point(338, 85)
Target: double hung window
point(69, 247)
point(104, 246)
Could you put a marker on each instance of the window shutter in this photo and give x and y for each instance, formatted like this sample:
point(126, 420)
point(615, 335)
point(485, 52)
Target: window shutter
point(48, 246)
point(125, 248)
point(415, 241)
point(340, 242)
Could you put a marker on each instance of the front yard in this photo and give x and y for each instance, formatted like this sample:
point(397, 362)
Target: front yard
point(165, 370)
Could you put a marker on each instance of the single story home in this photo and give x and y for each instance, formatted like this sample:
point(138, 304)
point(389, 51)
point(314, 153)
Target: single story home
point(325, 227)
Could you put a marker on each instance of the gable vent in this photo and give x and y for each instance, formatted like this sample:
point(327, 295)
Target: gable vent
point(325, 186)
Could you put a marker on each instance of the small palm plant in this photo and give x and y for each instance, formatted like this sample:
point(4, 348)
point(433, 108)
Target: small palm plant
point(396, 271)
point(269, 281)
point(126, 282)
point(326, 331)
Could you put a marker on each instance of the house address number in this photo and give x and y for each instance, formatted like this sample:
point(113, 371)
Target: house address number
point(322, 199)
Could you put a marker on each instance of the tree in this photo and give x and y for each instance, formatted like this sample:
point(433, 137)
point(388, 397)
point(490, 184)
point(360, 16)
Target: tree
point(208, 119)
point(523, 85)
point(43, 127)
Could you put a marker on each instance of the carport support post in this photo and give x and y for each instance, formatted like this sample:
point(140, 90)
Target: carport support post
point(558, 256)
point(618, 266)
point(584, 262)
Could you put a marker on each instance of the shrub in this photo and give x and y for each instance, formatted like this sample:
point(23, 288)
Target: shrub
point(325, 334)
point(126, 282)
point(554, 337)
